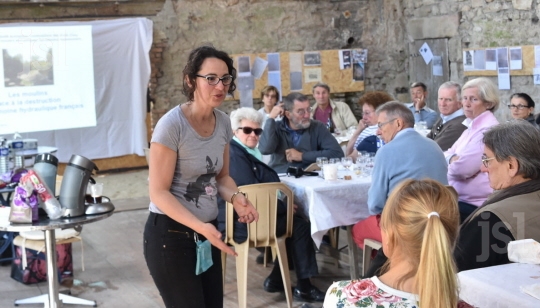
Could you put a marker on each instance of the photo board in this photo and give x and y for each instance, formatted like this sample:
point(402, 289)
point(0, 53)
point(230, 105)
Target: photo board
point(342, 70)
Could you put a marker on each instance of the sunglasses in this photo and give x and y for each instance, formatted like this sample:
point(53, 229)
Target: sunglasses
point(248, 130)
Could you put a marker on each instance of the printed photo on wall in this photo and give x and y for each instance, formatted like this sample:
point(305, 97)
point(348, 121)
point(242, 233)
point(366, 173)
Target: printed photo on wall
point(502, 57)
point(480, 59)
point(358, 71)
point(468, 60)
point(243, 66)
point(437, 67)
point(312, 58)
point(491, 59)
point(344, 59)
point(516, 62)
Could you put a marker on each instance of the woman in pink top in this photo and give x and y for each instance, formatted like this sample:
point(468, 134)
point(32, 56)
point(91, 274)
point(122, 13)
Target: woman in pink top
point(480, 98)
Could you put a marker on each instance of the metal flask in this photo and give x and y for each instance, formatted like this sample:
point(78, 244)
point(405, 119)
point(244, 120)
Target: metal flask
point(73, 190)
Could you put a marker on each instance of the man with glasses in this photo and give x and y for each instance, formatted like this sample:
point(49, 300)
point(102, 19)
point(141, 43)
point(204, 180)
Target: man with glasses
point(418, 105)
point(327, 111)
point(297, 140)
point(449, 126)
point(406, 155)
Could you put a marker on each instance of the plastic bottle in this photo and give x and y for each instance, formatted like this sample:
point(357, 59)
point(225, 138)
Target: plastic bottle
point(4, 156)
point(380, 142)
point(330, 125)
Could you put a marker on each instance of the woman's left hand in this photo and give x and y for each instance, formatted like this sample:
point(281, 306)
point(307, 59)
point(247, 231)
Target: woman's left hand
point(245, 210)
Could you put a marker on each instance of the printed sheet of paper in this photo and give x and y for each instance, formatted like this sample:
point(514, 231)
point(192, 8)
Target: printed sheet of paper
point(468, 62)
point(504, 78)
point(491, 59)
point(437, 68)
point(480, 59)
point(516, 61)
point(426, 53)
point(258, 67)
point(536, 75)
point(344, 59)
point(312, 74)
point(244, 67)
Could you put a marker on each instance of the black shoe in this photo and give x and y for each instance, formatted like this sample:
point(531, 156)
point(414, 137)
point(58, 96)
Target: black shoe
point(314, 295)
point(260, 258)
point(273, 286)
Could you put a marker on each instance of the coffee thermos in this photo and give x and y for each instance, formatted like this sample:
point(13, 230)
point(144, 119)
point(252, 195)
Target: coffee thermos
point(45, 166)
point(73, 190)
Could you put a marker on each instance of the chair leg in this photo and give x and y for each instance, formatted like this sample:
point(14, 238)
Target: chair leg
point(223, 266)
point(333, 234)
point(241, 274)
point(366, 259)
point(281, 252)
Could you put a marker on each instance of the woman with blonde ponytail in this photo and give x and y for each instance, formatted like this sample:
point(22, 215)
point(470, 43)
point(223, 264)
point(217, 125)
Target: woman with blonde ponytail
point(419, 224)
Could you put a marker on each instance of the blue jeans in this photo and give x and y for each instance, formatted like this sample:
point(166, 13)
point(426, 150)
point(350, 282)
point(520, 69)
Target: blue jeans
point(169, 251)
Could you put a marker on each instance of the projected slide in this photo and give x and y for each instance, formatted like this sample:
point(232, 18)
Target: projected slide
point(48, 78)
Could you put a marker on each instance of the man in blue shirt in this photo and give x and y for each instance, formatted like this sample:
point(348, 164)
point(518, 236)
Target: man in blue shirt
point(418, 106)
point(406, 155)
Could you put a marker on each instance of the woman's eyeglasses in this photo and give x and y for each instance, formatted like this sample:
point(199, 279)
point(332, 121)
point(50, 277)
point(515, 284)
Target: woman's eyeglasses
point(519, 107)
point(214, 80)
point(248, 130)
point(485, 160)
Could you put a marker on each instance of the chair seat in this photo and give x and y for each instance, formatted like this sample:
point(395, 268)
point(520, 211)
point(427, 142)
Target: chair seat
point(39, 245)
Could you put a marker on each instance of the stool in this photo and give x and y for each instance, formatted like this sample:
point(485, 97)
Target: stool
point(369, 245)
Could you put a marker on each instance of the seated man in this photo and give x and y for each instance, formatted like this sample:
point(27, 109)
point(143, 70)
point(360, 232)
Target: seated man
point(418, 106)
point(297, 140)
point(329, 112)
point(405, 155)
point(246, 167)
point(449, 126)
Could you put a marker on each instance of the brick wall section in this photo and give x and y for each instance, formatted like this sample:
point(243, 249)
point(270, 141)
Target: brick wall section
point(156, 72)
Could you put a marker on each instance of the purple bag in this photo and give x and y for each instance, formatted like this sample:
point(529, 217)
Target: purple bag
point(25, 205)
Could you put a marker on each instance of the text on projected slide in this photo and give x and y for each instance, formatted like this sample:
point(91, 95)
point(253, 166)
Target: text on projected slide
point(48, 79)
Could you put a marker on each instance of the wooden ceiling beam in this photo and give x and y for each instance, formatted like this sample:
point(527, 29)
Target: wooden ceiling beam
point(65, 10)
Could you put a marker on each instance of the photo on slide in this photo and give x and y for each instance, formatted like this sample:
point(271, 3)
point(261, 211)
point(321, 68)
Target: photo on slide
point(21, 70)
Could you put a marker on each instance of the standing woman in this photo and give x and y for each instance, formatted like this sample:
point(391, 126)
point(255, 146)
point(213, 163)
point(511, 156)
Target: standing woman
point(189, 166)
point(522, 107)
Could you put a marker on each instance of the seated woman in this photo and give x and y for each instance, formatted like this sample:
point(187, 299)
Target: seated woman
point(271, 108)
point(419, 224)
point(522, 107)
point(247, 168)
point(480, 99)
point(367, 126)
point(512, 162)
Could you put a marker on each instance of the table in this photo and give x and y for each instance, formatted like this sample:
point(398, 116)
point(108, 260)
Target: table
point(53, 299)
point(330, 204)
point(499, 286)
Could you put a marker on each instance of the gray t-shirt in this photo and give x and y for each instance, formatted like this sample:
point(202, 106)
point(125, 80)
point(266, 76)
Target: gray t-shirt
point(199, 160)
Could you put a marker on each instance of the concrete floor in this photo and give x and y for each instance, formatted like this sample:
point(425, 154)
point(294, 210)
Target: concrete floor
point(116, 275)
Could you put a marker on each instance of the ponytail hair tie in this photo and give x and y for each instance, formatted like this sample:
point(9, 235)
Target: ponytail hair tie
point(433, 214)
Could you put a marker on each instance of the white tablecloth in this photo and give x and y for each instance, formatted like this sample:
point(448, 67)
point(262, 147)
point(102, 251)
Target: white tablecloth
point(499, 286)
point(330, 204)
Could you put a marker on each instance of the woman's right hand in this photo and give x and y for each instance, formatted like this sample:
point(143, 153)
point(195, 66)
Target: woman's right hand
point(214, 236)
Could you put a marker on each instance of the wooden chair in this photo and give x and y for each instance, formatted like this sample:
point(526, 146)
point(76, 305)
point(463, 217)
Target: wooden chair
point(369, 245)
point(261, 234)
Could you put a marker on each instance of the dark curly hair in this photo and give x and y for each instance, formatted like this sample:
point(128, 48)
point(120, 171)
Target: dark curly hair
point(193, 66)
point(375, 99)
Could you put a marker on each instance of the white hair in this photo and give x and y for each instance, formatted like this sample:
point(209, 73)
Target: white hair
point(245, 113)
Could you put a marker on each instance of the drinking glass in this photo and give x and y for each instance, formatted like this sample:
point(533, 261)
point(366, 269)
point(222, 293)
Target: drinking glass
point(346, 162)
point(333, 161)
point(321, 161)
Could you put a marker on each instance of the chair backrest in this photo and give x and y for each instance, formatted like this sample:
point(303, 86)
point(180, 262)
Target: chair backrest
point(264, 198)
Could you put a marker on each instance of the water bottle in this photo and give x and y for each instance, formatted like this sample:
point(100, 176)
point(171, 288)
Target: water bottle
point(4, 156)
point(17, 148)
point(330, 125)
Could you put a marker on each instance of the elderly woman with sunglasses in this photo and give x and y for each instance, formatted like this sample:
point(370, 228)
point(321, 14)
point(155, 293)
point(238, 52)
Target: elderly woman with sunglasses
point(512, 212)
point(522, 107)
point(247, 168)
point(480, 99)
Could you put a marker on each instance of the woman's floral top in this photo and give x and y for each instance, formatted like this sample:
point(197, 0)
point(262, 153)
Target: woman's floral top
point(370, 292)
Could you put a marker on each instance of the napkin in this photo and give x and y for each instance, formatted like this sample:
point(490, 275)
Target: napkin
point(524, 251)
point(533, 290)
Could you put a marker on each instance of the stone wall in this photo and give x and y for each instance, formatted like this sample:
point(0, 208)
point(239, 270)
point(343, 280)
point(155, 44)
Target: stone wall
point(486, 23)
point(253, 26)
point(384, 27)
